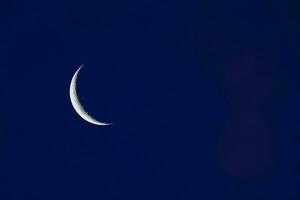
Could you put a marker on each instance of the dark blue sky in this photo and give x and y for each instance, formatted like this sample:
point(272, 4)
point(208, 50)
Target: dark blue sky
point(204, 96)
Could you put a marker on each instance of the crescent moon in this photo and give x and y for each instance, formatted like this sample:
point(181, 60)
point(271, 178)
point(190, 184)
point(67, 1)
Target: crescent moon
point(78, 106)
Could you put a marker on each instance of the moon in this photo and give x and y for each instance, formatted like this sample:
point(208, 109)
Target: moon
point(78, 106)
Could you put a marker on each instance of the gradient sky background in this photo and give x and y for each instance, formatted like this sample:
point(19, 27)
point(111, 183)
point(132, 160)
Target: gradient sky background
point(204, 96)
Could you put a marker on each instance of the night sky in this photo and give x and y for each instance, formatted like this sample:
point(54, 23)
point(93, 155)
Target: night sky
point(204, 97)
